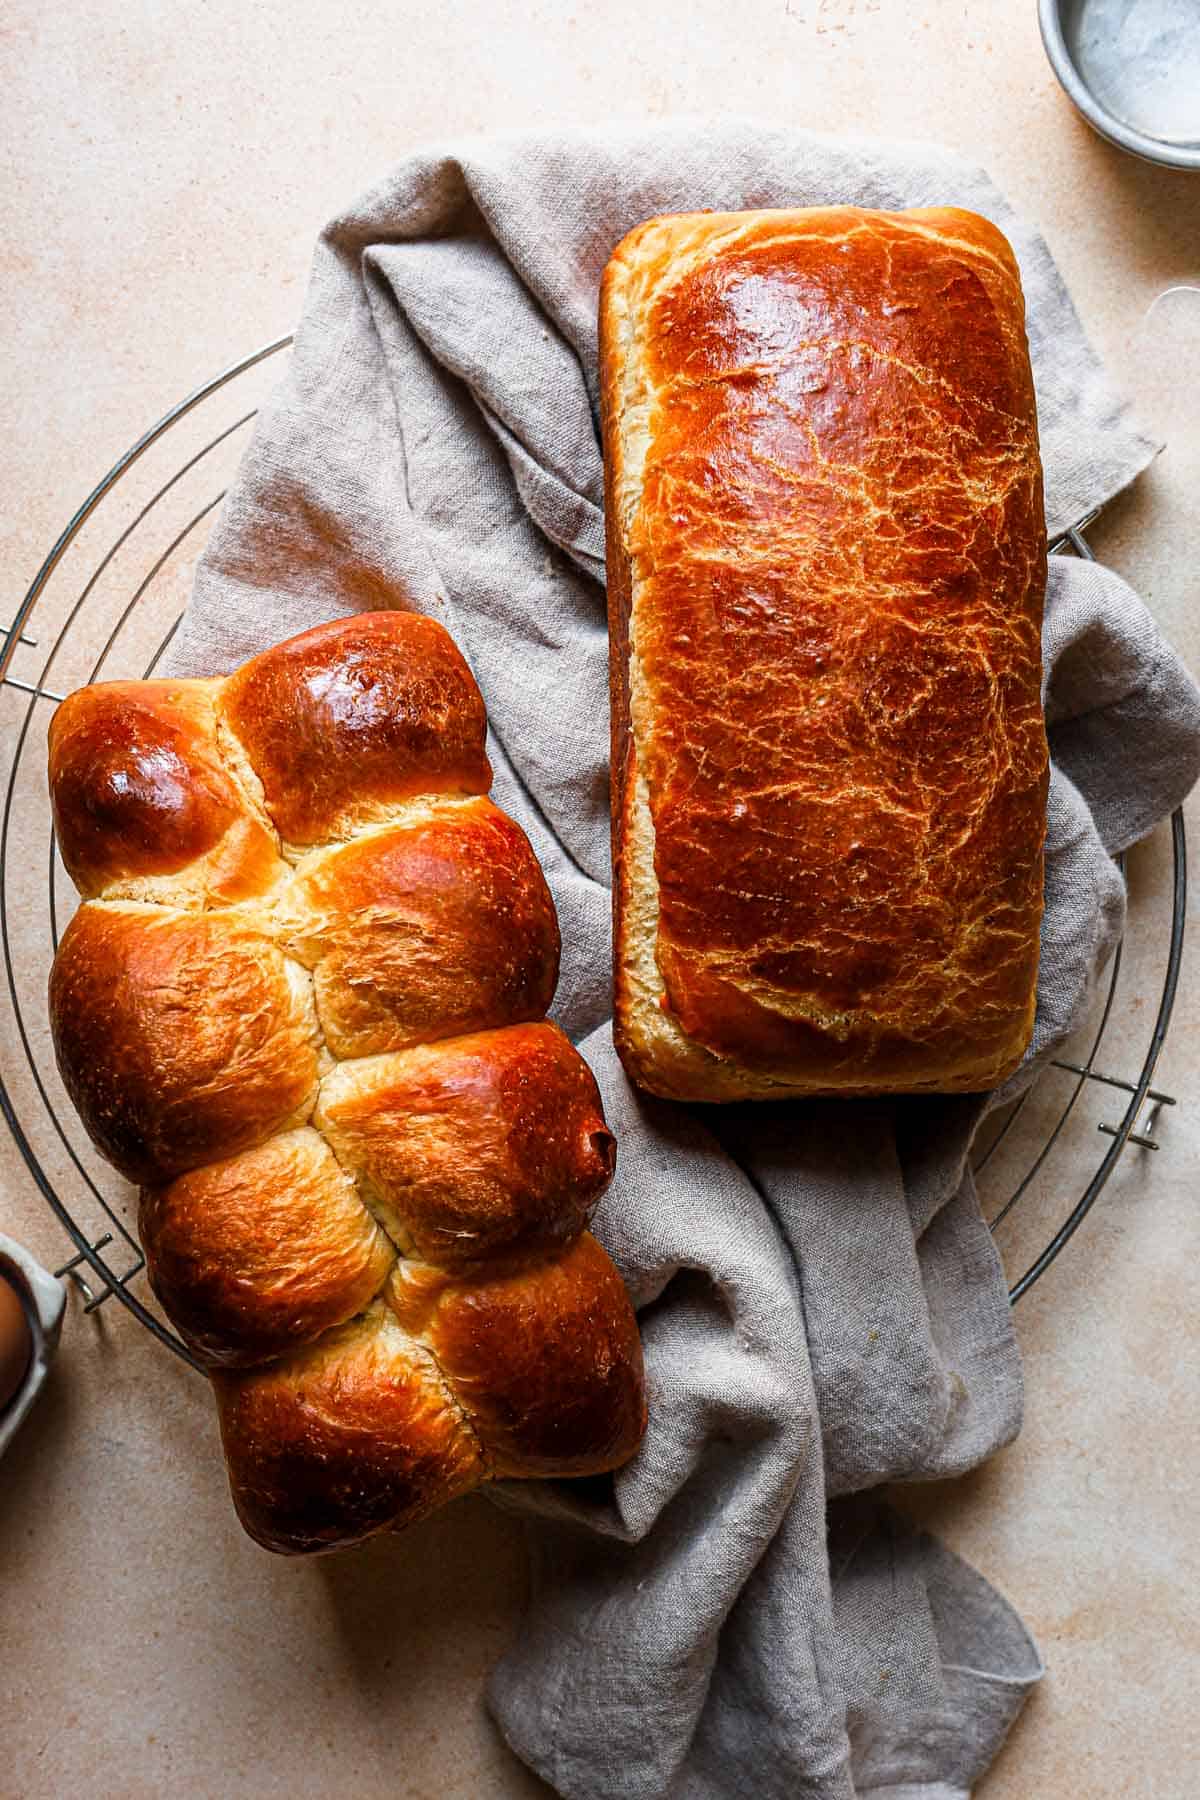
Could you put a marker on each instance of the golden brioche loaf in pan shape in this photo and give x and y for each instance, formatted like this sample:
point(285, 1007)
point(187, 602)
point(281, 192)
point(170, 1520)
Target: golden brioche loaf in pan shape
point(826, 562)
point(303, 1007)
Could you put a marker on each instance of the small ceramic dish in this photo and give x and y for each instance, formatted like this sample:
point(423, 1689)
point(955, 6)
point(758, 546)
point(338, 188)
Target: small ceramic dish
point(44, 1300)
point(1132, 68)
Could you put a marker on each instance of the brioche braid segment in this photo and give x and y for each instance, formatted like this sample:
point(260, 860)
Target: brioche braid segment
point(303, 1005)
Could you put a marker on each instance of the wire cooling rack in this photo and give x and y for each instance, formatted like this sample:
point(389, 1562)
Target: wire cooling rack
point(106, 603)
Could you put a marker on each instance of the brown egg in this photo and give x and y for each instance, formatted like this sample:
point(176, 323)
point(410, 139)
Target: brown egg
point(16, 1341)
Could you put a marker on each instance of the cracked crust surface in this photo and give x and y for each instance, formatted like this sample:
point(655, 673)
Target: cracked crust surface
point(826, 560)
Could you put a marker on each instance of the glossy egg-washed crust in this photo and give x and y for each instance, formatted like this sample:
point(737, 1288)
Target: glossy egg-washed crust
point(303, 1007)
point(826, 560)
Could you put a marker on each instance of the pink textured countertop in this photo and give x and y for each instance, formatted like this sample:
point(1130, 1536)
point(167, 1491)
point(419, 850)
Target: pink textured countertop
point(168, 168)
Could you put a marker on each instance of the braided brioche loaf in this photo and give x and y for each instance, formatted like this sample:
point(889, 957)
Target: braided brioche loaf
point(303, 1008)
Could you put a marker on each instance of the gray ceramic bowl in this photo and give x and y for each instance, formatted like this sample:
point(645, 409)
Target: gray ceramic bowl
point(43, 1299)
point(1132, 67)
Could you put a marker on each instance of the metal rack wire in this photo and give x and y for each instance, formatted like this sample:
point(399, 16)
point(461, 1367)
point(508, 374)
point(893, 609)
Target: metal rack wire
point(96, 587)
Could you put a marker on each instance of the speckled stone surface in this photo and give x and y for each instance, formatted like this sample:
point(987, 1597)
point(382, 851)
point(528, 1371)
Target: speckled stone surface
point(168, 167)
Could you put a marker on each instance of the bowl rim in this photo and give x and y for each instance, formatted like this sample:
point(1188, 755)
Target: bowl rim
point(1125, 137)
